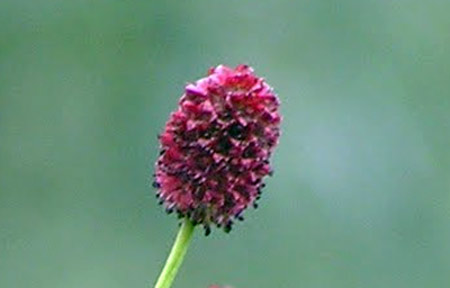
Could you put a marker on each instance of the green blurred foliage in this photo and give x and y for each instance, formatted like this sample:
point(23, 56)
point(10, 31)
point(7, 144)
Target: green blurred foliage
point(360, 197)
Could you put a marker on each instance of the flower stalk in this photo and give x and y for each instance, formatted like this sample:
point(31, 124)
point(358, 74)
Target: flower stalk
point(176, 255)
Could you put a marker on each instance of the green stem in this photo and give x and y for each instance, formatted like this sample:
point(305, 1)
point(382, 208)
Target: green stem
point(176, 255)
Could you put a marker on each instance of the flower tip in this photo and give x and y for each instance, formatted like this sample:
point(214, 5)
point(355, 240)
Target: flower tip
point(195, 90)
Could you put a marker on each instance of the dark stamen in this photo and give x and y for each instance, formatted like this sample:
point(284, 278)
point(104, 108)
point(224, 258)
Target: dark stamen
point(228, 227)
point(237, 131)
point(207, 230)
point(223, 145)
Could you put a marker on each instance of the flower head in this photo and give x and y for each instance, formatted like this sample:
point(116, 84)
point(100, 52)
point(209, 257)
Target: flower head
point(215, 147)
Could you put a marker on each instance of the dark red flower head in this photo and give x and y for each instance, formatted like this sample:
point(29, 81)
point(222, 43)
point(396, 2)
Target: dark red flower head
point(216, 146)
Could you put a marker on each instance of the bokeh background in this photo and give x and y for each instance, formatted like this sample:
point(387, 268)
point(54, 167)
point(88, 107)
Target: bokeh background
point(361, 191)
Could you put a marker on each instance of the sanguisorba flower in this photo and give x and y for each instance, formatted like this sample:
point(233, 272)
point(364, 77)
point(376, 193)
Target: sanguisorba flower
point(215, 147)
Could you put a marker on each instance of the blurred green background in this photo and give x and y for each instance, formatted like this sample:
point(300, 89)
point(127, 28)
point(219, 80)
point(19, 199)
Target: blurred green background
point(361, 191)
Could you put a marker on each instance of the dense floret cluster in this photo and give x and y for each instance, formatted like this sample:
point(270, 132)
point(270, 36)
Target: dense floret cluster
point(216, 146)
